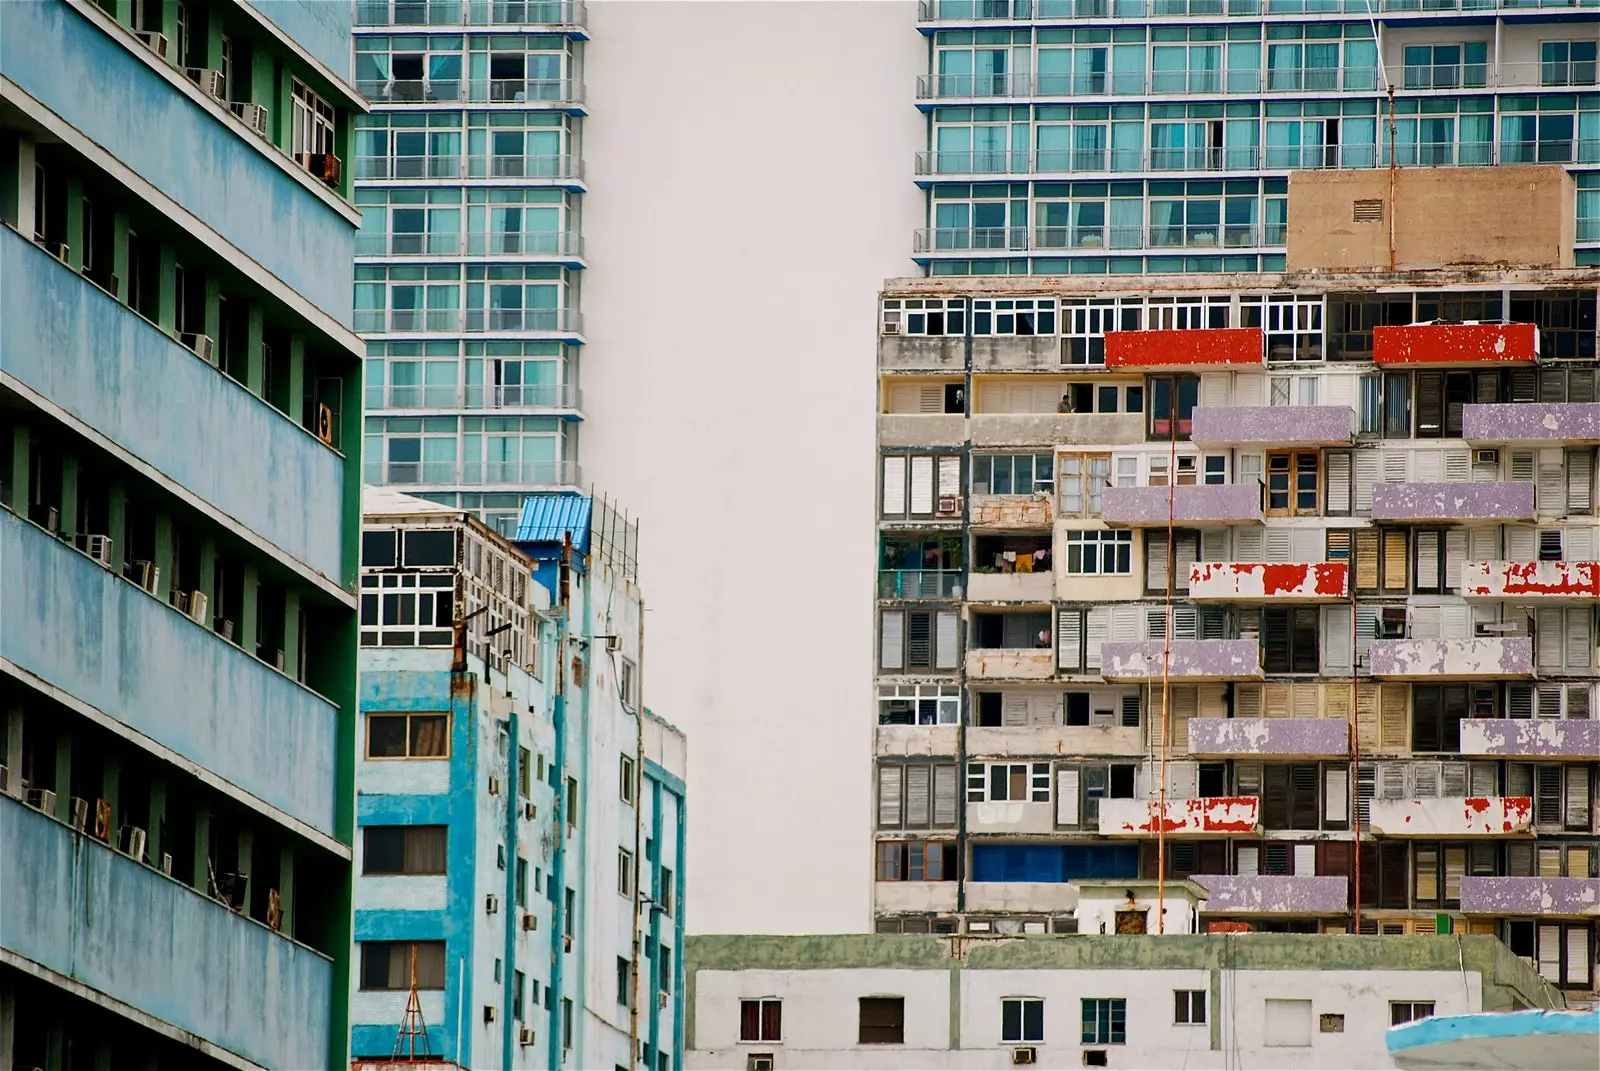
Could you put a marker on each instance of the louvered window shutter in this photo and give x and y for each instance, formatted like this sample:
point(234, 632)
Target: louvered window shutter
point(1548, 697)
point(892, 651)
point(1249, 388)
point(1014, 711)
point(1275, 700)
point(1336, 640)
point(1367, 465)
point(1424, 624)
point(921, 485)
point(918, 793)
point(1483, 544)
point(1155, 561)
point(1069, 640)
point(1247, 860)
point(1097, 623)
point(1577, 971)
point(1124, 624)
point(1455, 622)
point(1457, 466)
point(1214, 387)
point(1425, 780)
point(1578, 702)
point(1184, 559)
point(1552, 493)
point(1184, 623)
point(1522, 543)
point(1305, 859)
point(1306, 544)
point(1396, 464)
point(1483, 779)
point(894, 486)
point(1578, 542)
point(931, 399)
point(1247, 700)
point(905, 398)
point(1522, 465)
point(1247, 545)
point(1455, 553)
point(1367, 716)
point(947, 647)
point(1519, 701)
point(1550, 952)
point(1213, 701)
point(1184, 702)
point(1368, 559)
point(1183, 779)
point(1392, 715)
point(1549, 638)
point(1392, 781)
point(1427, 466)
point(1427, 561)
point(1214, 544)
point(1547, 795)
point(1577, 813)
point(1455, 865)
point(1580, 481)
point(1247, 779)
point(1338, 484)
point(1366, 789)
point(919, 641)
point(1277, 544)
point(1336, 796)
point(944, 796)
point(1453, 780)
point(1430, 405)
point(891, 780)
point(950, 476)
point(1130, 711)
point(1066, 795)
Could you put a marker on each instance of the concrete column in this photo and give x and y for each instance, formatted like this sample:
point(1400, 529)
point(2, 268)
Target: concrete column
point(212, 317)
point(247, 863)
point(163, 556)
point(16, 189)
point(117, 525)
point(102, 1056)
point(8, 1025)
point(74, 234)
point(291, 633)
point(21, 468)
point(255, 372)
point(13, 729)
point(155, 840)
point(110, 784)
point(245, 626)
point(286, 890)
point(294, 395)
point(64, 776)
point(167, 290)
point(55, 1044)
point(120, 264)
point(208, 575)
point(69, 496)
point(202, 850)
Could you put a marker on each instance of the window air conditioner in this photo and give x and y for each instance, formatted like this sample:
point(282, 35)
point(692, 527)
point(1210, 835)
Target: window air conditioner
point(891, 328)
point(661, 998)
point(102, 820)
point(1025, 1054)
point(46, 517)
point(209, 81)
point(530, 921)
point(566, 942)
point(254, 116)
point(491, 903)
point(166, 863)
point(530, 810)
point(98, 547)
point(274, 909)
point(1486, 457)
point(42, 799)
point(323, 165)
point(525, 1036)
point(325, 424)
point(494, 786)
point(759, 1061)
point(78, 813)
point(488, 1013)
point(130, 840)
point(199, 601)
point(147, 575)
point(949, 504)
point(203, 346)
point(60, 250)
point(155, 42)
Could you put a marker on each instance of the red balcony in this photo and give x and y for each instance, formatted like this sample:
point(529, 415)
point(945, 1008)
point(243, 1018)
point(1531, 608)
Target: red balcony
point(1436, 344)
point(1209, 347)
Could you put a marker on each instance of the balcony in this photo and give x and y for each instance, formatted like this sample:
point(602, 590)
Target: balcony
point(1214, 347)
point(567, 92)
point(919, 896)
point(1012, 353)
point(1192, 661)
point(135, 935)
point(105, 642)
point(551, 168)
point(1024, 897)
point(410, 90)
point(1452, 503)
point(1534, 582)
point(922, 353)
point(1269, 738)
point(1544, 739)
point(1190, 504)
point(1532, 423)
point(493, 396)
point(112, 369)
point(246, 190)
point(1011, 511)
point(1561, 897)
point(1278, 583)
point(920, 583)
point(1453, 816)
point(529, 13)
point(1011, 664)
point(922, 429)
point(1053, 740)
point(1478, 658)
point(1017, 817)
point(1206, 816)
point(446, 474)
point(1273, 894)
point(1012, 587)
point(1276, 426)
point(1057, 429)
point(1433, 345)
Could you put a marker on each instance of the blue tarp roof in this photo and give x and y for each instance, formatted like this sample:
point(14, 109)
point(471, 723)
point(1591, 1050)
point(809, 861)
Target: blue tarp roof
point(548, 517)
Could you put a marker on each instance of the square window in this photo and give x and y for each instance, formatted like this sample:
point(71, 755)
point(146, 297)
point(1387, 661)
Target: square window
point(1189, 1006)
point(1407, 1011)
point(1105, 1021)
point(883, 1021)
point(761, 1020)
point(1021, 1020)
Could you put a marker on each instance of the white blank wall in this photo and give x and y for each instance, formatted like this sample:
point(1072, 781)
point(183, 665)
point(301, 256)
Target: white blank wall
point(750, 182)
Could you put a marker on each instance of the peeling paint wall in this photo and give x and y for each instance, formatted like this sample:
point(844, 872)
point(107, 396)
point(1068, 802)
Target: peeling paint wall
point(1451, 502)
point(1532, 422)
point(1194, 504)
point(921, 429)
point(1534, 738)
point(1274, 581)
point(1190, 659)
point(1531, 580)
point(1011, 511)
point(1298, 894)
point(1057, 429)
point(1213, 815)
point(1481, 656)
point(1446, 816)
point(1455, 344)
point(1270, 737)
point(1002, 664)
point(1183, 349)
point(939, 353)
point(1295, 425)
point(995, 352)
point(1531, 896)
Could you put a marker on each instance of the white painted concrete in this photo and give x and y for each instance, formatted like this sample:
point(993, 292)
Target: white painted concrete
point(750, 174)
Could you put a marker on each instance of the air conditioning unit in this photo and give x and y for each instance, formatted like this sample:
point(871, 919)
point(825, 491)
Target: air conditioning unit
point(662, 996)
point(613, 643)
point(525, 1036)
point(130, 840)
point(254, 116)
point(274, 909)
point(325, 424)
point(530, 810)
point(949, 504)
point(60, 250)
point(209, 81)
point(1486, 457)
point(155, 42)
point(892, 327)
point(530, 921)
point(323, 165)
point(566, 942)
point(759, 1061)
point(5, 781)
point(102, 820)
point(147, 575)
point(491, 903)
point(48, 518)
point(203, 346)
point(78, 813)
point(225, 629)
point(494, 785)
point(166, 863)
point(179, 600)
point(199, 603)
point(1025, 1054)
point(488, 1013)
point(42, 799)
point(98, 547)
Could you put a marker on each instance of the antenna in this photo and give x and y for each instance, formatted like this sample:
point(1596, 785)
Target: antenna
point(411, 1025)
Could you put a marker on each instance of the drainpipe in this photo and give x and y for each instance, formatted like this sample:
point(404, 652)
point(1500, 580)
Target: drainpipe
point(508, 978)
point(558, 897)
point(638, 858)
point(968, 705)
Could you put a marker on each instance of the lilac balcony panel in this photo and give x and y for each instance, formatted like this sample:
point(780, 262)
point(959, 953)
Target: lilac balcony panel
point(1531, 423)
point(1577, 739)
point(1484, 657)
point(1530, 896)
point(1274, 894)
point(1191, 660)
point(1270, 737)
point(1296, 425)
point(1447, 502)
point(1222, 503)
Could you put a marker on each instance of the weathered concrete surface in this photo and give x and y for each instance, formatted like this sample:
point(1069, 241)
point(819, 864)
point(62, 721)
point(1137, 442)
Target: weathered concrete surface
point(921, 429)
point(1532, 423)
point(1453, 816)
point(1011, 511)
point(1004, 351)
point(1277, 582)
point(1269, 737)
point(1057, 429)
point(1011, 587)
point(1537, 581)
point(1011, 816)
point(1480, 657)
point(919, 896)
point(1531, 896)
point(1192, 660)
point(1274, 894)
point(1026, 896)
point(1447, 502)
point(1534, 738)
point(1222, 503)
point(1203, 816)
point(999, 663)
point(1050, 740)
point(910, 740)
point(1204, 347)
point(931, 353)
point(1295, 425)
point(1455, 344)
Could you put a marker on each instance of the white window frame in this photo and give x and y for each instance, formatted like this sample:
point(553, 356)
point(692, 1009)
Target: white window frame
point(1040, 486)
point(1117, 544)
point(1089, 483)
point(944, 698)
point(1006, 316)
point(909, 316)
point(1023, 1036)
point(314, 127)
point(626, 873)
point(980, 779)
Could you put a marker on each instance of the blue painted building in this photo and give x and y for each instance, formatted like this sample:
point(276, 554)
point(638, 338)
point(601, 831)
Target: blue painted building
point(521, 819)
point(179, 514)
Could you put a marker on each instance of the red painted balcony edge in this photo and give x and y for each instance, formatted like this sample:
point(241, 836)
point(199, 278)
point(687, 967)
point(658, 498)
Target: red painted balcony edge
point(1200, 347)
point(1455, 344)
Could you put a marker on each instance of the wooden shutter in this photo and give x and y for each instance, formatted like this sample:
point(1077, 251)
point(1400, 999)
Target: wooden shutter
point(1247, 545)
point(1367, 733)
point(946, 644)
point(1424, 623)
point(1455, 553)
point(1580, 481)
point(1247, 700)
point(918, 796)
point(1577, 793)
point(1305, 859)
point(1069, 640)
point(1395, 560)
point(1549, 951)
point(1014, 711)
point(1453, 779)
point(1336, 639)
point(1430, 405)
point(1367, 466)
point(1552, 483)
point(1066, 795)
point(1483, 544)
point(894, 486)
point(1483, 779)
point(1547, 796)
point(1396, 462)
point(1183, 559)
point(1549, 638)
point(950, 476)
point(1578, 542)
point(1522, 543)
point(1336, 796)
point(1427, 560)
point(1097, 625)
point(1392, 716)
point(1277, 545)
point(1155, 561)
point(1275, 701)
point(1367, 559)
point(1522, 465)
point(891, 780)
point(891, 653)
point(921, 485)
point(1247, 860)
point(1577, 969)
point(1580, 643)
point(1214, 545)
point(944, 796)
point(1337, 501)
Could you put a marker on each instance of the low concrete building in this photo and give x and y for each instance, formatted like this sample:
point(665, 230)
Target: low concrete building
point(1195, 1001)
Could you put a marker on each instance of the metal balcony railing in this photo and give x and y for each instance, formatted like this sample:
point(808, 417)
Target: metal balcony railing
point(400, 167)
point(525, 243)
point(373, 321)
point(526, 91)
point(979, 11)
point(475, 473)
point(562, 167)
point(565, 320)
point(920, 583)
point(407, 245)
point(470, 13)
point(409, 90)
point(492, 396)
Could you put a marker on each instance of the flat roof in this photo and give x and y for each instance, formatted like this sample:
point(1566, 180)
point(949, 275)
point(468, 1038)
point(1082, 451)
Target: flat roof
point(1318, 281)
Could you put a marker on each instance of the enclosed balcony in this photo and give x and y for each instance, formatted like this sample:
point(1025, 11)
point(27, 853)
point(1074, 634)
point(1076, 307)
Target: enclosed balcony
point(1540, 582)
point(1453, 816)
point(920, 567)
point(1532, 423)
point(1275, 426)
point(1546, 739)
point(1213, 347)
point(1274, 894)
point(1277, 583)
point(1011, 568)
point(1191, 661)
point(1476, 658)
point(1192, 505)
point(1453, 503)
point(1269, 738)
point(1561, 897)
point(1204, 816)
point(1433, 345)
point(1011, 645)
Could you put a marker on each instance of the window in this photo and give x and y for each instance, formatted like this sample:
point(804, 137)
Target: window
point(408, 736)
point(761, 1020)
point(1167, 392)
point(1098, 553)
point(915, 860)
point(919, 704)
point(1105, 1021)
point(1288, 798)
point(665, 891)
point(1095, 397)
point(1189, 1006)
point(1436, 713)
point(916, 795)
point(1083, 478)
point(624, 981)
point(313, 125)
point(403, 849)
point(625, 778)
point(1086, 321)
point(918, 640)
point(923, 485)
point(1016, 782)
point(1292, 482)
point(925, 316)
point(1288, 1023)
point(519, 984)
point(625, 872)
point(407, 609)
point(1021, 1020)
point(1289, 640)
point(1567, 63)
point(1013, 316)
point(883, 1021)
point(1409, 1011)
point(1293, 325)
point(566, 1023)
point(521, 882)
point(1012, 474)
point(1445, 66)
point(627, 676)
point(387, 964)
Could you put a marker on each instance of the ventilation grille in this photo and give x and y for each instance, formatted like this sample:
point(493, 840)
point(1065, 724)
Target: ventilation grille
point(1367, 211)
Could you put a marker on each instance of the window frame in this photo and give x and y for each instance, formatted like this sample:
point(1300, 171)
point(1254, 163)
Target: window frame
point(405, 832)
point(1091, 484)
point(1184, 1004)
point(1292, 474)
point(389, 947)
point(893, 1009)
point(409, 716)
point(985, 464)
point(1026, 1033)
point(1103, 1029)
point(761, 1006)
point(1118, 542)
point(1406, 1011)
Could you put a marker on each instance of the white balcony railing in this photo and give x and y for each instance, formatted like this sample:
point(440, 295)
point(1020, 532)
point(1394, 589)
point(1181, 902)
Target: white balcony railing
point(470, 13)
point(475, 396)
point(1013, 239)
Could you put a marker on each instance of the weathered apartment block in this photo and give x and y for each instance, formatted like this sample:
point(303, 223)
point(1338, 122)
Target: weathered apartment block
point(1340, 519)
point(179, 524)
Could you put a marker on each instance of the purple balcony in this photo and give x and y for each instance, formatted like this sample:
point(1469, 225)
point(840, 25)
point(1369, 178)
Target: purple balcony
point(1297, 425)
point(1148, 507)
point(1528, 423)
point(1544, 582)
point(1480, 658)
point(1274, 738)
point(1549, 739)
point(1192, 660)
point(1274, 894)
point(1574, 897)
point(1452, 503)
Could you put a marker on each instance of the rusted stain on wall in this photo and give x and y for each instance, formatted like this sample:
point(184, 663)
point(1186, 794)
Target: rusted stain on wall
point(1297, 425)
point(1276, 894)
point(1279, 737)
point(1221, 503)
point(1515, 422)
point(1509, 501)
point(1541, 738)
point(1193, 817)
point(1191, 659)
point(1453, 816)
point(1454, 343)
point(1184, 349)
point(1268, 580)
point(1479, 656)
point(1530, 896)
point(1561, 580)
